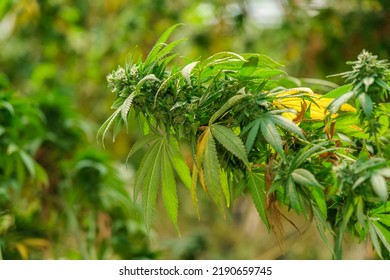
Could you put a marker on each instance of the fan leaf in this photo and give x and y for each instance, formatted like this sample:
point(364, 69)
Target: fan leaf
point(230, 141)
point(256, 186)
point(168, 187)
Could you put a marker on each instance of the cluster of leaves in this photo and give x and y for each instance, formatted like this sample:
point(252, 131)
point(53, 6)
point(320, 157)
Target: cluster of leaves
point(236, 113)
point(57, 198)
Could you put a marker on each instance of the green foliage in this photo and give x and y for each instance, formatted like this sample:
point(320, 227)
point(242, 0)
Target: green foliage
point(52, 187)
point(227, 107)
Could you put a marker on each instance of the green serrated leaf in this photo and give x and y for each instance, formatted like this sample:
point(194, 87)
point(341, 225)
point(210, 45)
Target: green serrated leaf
point(160, 44)
point(256, 186)
point(150, 186)
point(212, 173)
point(286, 124)
point(230, 141)
point(148, 160)
point(271, 135)
point(304, 154)
point(374, 239)
point(179, 164)
point(322, 227)
point(252, 135)
point(225, 186)
point(293, 196)
point(143, 141)
point(305, 178)
point(319, 199)
point(232, 101)
point(168, 187)
point(168, 48)
point(383, 234)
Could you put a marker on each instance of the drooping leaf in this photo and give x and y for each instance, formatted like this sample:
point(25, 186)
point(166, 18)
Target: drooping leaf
point(107, 125)
point(150, 187)
point(322, 226)
point(143, 170)
point(305, 178)
point(232, 101)
point(142, 142)
point(230, 141)
point(168, 187)
point(287, 124)
point(225, 186)
point(200, 148)
point(179, 164)
point(304, 154)
point(383, 234)
point(271, 135)
point(252, 135)
point(293, 196)
point(378, 183)
point(374, 239)
point(319, 199)
point(256, 186)
point(366, 103)
point(125, 108)
point(212, 176)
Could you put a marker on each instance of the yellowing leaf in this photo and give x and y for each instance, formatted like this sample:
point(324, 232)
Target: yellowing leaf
point(318, 108)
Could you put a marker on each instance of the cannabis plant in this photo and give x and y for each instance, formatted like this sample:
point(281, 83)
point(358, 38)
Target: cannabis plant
point(252, 135)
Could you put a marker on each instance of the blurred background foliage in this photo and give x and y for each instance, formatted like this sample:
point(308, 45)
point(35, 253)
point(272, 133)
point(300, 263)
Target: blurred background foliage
point(63, 196)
